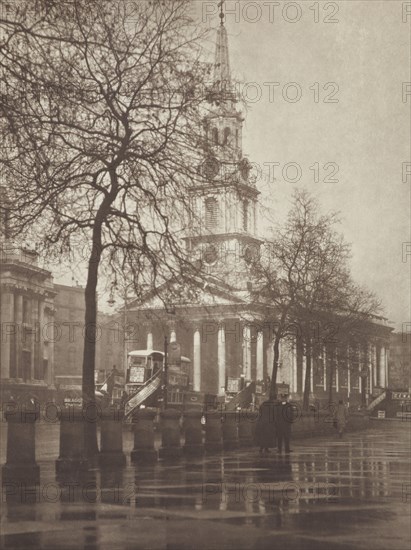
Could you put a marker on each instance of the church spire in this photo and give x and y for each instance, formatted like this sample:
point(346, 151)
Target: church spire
point(221, 12)
point(222, 75)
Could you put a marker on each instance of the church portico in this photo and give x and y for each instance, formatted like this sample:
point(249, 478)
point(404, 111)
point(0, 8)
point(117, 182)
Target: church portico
point(220, 340)
point(230, 340)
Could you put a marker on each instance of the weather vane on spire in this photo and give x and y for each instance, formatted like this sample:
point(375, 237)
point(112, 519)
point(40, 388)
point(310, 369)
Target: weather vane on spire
point(221, 12)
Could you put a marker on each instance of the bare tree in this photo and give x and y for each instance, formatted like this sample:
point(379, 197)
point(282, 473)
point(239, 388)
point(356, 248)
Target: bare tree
point(100, 131)
point(304, 274)
point(356, 310)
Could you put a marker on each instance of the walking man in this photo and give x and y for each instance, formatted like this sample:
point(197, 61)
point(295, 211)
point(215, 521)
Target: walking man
point(284, 417)
point(264, 435)
point(341, 415)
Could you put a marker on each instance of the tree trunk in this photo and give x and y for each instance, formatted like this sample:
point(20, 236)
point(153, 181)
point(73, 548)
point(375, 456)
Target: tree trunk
point(276, 360)
point(91, 329)
point(307, 381)
point(90, 333)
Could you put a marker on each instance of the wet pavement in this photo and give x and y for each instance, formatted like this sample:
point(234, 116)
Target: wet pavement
point(353, 493)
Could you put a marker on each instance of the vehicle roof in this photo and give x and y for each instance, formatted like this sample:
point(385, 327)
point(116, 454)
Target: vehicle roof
point(148, 352)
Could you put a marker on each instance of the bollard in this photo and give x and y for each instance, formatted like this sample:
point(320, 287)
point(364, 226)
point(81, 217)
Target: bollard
point(21, 466)
point(246, 423)
point(72, 457)
point(230, 431)
point(111, 453)
point(193, 431)
point(143, 425)
point(170, 434)
point(214, 436)
point(112, 486)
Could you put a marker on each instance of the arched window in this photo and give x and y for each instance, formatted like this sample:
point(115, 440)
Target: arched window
point(245, 215)
point(211, 212)
point(227, 133)
point(215, 136)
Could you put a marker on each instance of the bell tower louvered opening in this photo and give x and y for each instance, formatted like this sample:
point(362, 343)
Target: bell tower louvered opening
point(211, 213)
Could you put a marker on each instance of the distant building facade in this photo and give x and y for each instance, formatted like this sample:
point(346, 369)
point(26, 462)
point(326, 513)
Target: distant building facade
point(399, 364)
point(27, 315)
point(70, 334)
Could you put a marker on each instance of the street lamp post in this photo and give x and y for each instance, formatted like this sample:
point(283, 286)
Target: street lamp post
point(125, 337)
point(165, 373)
point(111, 302)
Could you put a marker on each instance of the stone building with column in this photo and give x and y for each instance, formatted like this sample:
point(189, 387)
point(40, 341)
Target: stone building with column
point(70, 333)
point(217, 330)
point(225, 334)
point(351, 365)
point(399, 365)
point(27, 313)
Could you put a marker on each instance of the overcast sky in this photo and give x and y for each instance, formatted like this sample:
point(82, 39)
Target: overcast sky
point(365, 58)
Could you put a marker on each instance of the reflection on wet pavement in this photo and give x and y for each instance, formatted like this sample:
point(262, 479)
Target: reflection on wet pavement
point(350, 493)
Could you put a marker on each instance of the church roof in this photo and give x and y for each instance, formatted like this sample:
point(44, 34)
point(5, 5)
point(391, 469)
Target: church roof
point(198, 292)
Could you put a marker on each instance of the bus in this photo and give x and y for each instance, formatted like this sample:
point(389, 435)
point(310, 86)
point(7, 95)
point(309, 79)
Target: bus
point(145, 378)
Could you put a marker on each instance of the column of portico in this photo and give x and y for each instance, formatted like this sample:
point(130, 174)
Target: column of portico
point(197, 359)
point(27, 338)
point(295, 365)
point(348, 371)
point(48, 316)
point(173, 334)
point(34, 337)
point(312, 375)
point(325, 368)
point(382, 366)
point(7, 327)
point(360, 367)
point(337, 372)
point(269, 354)
point(260, 356)
point(149, 338)
point(304, 372)
point(374, 365)
point(19, 334)
point(221, 359)
point(40, 343)
point(247, 352)
point(369, 359)
point(386, 366)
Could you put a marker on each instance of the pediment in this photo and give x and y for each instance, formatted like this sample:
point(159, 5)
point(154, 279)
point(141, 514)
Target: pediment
point(174, 296)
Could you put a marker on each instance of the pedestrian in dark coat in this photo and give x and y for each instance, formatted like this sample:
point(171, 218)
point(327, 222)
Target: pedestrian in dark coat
point(264, 435)
point(340, 417)
point(284, 417)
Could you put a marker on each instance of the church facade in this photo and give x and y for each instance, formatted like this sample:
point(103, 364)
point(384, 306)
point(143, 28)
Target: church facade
point(222, 327)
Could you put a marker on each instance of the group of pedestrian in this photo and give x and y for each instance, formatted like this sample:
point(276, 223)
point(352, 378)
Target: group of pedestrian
point(274, 425)
point(275, 419)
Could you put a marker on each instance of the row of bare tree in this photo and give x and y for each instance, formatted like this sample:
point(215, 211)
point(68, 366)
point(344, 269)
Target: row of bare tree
point(303, 273)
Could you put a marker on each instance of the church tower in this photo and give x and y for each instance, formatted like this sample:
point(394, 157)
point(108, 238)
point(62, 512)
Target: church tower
point(223, 236)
